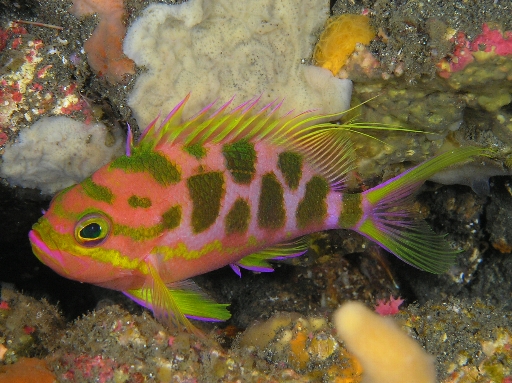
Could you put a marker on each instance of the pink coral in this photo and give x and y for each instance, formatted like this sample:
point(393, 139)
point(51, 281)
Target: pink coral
point(390, 307)
point(489, 41)
point(3, 139)
point(85, 366)
point(104, 47)
point(493, 40)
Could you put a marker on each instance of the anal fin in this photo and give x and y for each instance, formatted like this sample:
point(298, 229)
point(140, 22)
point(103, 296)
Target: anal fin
point(259, 261)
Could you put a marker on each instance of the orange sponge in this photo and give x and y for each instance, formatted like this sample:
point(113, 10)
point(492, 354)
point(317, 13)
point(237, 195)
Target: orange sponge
point(338, 40)
point(26, 370)
point(105, 46)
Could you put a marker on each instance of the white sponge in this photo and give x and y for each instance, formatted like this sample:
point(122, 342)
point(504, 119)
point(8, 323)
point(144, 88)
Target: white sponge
point(216, 49)
point(57, 152)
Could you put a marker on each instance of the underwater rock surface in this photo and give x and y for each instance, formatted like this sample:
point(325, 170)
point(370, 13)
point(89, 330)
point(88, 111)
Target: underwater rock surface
point(468, 338)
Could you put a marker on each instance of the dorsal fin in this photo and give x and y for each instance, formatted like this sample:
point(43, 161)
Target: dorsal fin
point(325, 145)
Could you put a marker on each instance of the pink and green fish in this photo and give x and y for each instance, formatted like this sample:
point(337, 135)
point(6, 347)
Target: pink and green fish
point(234, 188)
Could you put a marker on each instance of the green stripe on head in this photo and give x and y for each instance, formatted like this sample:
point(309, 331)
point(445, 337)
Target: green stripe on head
point(271, 212)
point(67, 244)
point(238, 218)
point(141, 233)
point(97, 192)
point(240, 160)
point(144, 159)
point(206, 192)
point(312, 208)
point(290, 164)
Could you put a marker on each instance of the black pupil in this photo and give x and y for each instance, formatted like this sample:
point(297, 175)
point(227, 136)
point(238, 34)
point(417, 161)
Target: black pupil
point(91, 231)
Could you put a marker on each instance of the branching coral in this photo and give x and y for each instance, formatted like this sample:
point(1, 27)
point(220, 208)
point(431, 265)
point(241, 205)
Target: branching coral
point(104, 47)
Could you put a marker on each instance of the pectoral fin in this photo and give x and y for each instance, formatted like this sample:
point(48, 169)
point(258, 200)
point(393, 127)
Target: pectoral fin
point(175, 303)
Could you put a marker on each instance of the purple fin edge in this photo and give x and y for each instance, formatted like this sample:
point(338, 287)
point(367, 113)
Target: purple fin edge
point(129, 141)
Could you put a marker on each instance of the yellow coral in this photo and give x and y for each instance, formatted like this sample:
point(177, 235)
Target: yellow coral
point(338, 40)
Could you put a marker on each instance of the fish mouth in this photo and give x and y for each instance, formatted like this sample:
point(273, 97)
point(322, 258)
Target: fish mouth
point(75, 267)
point(49, 257)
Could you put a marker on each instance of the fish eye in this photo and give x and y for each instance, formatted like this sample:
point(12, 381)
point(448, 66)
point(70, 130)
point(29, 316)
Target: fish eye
point(92, 230)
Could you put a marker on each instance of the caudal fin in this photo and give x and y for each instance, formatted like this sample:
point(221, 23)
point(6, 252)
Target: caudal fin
point(389, 220)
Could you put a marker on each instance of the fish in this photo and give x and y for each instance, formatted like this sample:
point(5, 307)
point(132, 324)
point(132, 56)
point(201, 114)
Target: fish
point(239, 185)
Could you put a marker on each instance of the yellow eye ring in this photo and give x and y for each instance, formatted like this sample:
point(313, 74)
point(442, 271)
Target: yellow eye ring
point(92, 229)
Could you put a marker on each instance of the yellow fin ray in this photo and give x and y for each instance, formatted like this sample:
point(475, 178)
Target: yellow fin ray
point(173, 304)
point(259, 261)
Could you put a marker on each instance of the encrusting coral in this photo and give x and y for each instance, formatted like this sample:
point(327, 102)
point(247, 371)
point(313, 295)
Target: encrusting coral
point(104, 47)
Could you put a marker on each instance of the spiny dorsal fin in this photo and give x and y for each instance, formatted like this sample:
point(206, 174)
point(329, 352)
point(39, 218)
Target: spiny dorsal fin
point(326, 145)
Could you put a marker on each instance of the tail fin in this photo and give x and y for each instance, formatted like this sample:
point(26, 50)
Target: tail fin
point(389, 221)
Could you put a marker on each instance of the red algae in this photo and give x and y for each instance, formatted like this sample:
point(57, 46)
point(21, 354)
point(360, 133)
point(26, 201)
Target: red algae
point(391, 307)
point(105, 46)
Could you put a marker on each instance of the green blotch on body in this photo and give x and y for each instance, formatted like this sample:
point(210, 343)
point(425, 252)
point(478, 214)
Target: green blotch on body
point(271, 212)
point(240, 160)
point(97, 192)
point(196, 150)
point(206, 192)
point(140, 233)
point(312, 208)
point(145, 159)
point(238, 217)
point(172, 217)
point(290, 164)
point(351, 211)
point(136, 201)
